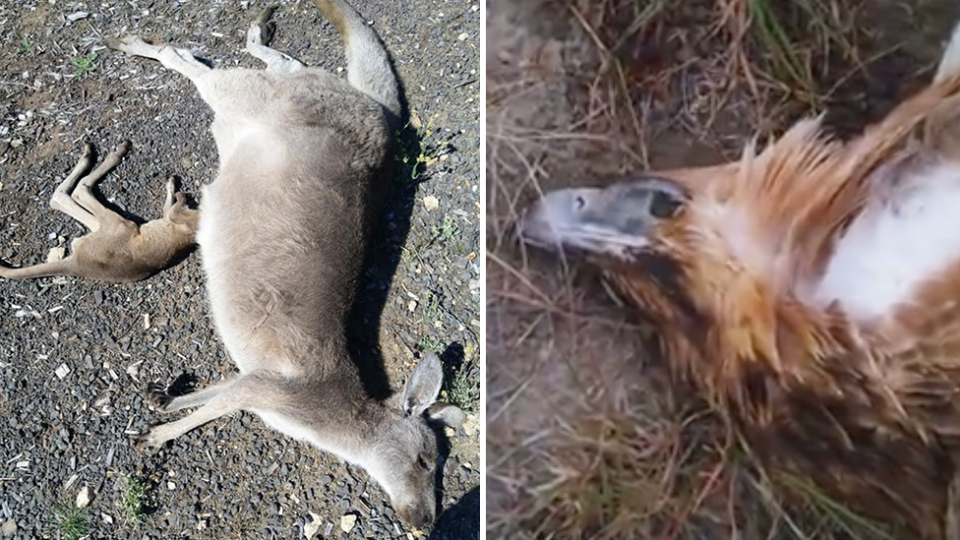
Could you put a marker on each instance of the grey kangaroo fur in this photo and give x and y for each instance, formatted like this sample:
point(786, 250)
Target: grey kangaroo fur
point(283, 233)
point(116, 250)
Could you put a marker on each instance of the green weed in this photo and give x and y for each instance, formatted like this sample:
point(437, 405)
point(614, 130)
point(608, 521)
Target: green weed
point(133, 505)
point(448, 230)
point(70, 522)
point(842, 519)
point(84, 65)
point(462, 388)
point(432, 309)
point(790, 58)
point(416, 148)
point(429, 344)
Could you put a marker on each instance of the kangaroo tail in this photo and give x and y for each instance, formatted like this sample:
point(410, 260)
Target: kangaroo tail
point(64, 267)
point(368, 67)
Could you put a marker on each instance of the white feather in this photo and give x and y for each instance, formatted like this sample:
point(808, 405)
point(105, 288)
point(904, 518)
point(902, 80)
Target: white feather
point(950, 62)
point(898, 243)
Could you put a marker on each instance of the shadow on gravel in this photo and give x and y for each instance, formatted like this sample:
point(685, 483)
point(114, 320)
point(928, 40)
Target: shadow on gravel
point(452, 359)
point(392, 227)
point(463, 516)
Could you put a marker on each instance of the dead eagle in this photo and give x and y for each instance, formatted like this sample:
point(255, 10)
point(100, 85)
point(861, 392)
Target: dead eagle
point(811, 291)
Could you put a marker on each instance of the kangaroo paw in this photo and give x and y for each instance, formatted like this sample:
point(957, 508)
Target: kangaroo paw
point(157, 397)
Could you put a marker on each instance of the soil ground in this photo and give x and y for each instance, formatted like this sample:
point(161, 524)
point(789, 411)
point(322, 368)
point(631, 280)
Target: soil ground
point(232, 478)
point(587, 437)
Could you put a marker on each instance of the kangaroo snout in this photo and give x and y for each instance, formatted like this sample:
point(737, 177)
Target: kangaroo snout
point(420, 516)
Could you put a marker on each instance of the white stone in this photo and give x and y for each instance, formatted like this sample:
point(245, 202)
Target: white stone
point(83, 498)
point(347, 521)
point(62, 371)
point(311, 528)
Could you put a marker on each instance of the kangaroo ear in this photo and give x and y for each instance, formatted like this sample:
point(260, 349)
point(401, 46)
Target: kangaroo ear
point(449, 415)
point(423, 387)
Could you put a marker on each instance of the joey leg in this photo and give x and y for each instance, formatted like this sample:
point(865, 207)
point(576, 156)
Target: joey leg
point(171, 190)
point(61, 200)
point(83, 194)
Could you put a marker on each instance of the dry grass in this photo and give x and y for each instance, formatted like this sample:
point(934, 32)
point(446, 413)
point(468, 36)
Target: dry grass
point(587, 438)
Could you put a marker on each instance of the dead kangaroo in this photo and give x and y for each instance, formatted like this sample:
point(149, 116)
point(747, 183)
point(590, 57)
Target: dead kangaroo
point(283, 231)
point(116, 250)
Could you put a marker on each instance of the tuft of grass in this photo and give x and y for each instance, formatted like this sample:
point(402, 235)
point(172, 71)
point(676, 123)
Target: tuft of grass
point(462, 387)
point(70, 522)
point(616, 476)
point(447, 230)
point(839, 517)
point(133, 504)
point(429, 344)
point(432, 309)
point(773, 39)
point(25, 46)
point(782, 42)
point(83, 65)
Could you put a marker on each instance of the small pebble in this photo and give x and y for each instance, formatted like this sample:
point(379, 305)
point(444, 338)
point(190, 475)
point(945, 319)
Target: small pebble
point(430, 202)
point(310, 529)
point(83, 497)
point(62, 371)
point(347, 522)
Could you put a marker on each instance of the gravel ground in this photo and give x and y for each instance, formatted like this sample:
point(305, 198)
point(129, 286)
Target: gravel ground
point(231, 478)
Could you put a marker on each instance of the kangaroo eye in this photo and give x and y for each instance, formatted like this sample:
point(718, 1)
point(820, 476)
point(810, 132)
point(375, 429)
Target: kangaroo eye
point(423, 463)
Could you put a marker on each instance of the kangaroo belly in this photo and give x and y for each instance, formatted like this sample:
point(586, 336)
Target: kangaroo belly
point(281, 245)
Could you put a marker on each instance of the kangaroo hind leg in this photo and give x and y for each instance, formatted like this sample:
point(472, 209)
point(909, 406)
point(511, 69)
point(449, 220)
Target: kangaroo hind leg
point(180, 60)
point(259, 34)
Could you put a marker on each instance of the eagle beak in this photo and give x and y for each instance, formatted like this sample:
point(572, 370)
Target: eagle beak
point(554, 221)
point(618, 220)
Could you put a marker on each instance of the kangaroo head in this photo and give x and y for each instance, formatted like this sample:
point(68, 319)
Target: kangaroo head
point(405, 447)
point(181, 215)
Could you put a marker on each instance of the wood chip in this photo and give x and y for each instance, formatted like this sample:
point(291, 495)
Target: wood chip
point(70, 481)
